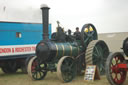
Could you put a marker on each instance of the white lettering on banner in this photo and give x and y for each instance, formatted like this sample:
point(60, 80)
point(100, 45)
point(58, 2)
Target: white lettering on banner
point(17, 49)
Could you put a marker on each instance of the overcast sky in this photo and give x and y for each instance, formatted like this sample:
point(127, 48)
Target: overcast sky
point(107, 15)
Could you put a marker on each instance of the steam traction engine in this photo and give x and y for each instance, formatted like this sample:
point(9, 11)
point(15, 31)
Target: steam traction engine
point(65, 53)
point(117, 66)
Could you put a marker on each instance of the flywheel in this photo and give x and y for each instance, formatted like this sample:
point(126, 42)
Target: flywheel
point(88, 33)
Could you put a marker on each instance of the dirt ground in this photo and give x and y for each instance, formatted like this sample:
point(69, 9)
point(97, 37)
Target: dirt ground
point(51, 79)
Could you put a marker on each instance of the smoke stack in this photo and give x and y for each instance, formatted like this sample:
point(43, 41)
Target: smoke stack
point(45, 19)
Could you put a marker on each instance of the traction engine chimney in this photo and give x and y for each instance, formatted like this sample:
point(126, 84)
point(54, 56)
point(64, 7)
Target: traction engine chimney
point(45, 21)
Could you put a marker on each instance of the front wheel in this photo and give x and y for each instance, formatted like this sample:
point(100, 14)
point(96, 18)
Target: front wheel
point(35, 70)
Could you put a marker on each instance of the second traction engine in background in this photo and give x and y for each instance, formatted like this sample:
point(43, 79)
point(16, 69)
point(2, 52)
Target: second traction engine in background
point(65, 53)
point(117, 66)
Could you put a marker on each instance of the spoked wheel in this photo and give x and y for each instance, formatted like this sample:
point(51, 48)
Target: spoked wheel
point(96, 54)
point(35, 70)
point(115, 75)
point(88, 33)
point(66, 69)
point(9, 67)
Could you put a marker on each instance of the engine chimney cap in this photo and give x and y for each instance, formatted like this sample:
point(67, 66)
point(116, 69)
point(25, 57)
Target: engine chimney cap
point(44, 6)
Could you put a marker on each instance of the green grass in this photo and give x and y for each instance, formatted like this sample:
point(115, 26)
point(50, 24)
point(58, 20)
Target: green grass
point(51, 79)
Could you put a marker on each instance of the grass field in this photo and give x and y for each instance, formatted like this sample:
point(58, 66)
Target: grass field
point(51, 79)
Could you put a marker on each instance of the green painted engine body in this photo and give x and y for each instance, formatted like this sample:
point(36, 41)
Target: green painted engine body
point(67, 49)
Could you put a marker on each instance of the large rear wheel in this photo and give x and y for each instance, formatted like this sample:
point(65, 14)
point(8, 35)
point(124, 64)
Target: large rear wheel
point(96, 54)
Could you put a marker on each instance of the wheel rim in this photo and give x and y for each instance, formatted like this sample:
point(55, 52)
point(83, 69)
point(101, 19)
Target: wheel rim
point(36, 71)
point(96, 54)
point(66, 69)
point(114, 74)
